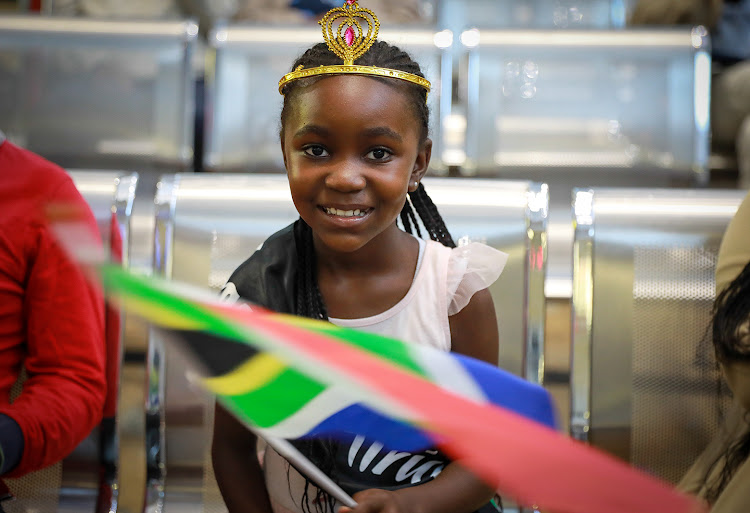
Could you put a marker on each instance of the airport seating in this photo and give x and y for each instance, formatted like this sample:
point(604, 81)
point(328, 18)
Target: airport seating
point(598, 102)
point(459, 15)
point(94, 93)
point(243, 102)
point(206, 225)
point(87, 481)
point(643, 378)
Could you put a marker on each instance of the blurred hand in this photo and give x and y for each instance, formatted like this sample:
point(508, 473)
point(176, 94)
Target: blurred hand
point(378, 501)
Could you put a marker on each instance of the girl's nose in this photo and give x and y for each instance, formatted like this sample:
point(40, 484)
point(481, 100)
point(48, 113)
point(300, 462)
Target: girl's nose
point(346, 177)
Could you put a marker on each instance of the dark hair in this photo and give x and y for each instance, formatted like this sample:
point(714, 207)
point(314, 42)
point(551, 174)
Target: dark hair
point(309, 301)
point(380, 54)
point(730, 319)
point(731, 341)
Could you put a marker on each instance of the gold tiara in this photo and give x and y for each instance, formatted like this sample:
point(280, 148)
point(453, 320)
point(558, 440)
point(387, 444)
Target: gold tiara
point(349, 42)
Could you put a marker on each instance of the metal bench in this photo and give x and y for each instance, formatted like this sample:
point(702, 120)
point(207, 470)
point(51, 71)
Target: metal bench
point(458, 15)
point(243, 102)
point(208, 224)
point(588, 101)
point(106, 94)
point(643, 379)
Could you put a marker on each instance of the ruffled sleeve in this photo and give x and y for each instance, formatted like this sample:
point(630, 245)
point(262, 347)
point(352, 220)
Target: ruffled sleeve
point(471, 268)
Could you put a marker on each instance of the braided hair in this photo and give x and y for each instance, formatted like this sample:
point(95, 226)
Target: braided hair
point(731, 340)
point(309, 301)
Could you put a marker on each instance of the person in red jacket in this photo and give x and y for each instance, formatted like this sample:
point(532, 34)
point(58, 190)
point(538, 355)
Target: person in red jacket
point(51, 321)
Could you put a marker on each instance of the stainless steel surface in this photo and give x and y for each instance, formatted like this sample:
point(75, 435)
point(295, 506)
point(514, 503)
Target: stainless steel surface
point(559, 280)
point(114, 221)
point(581, 313)
point(643, 382)
point(208, 224)
point(537, 215)
point(99, 93)
point(599, 39)
point(605, 101)
point(87, 480)
point(458, 15)
point(155, 409)
point(99, 30)
point(242, 121)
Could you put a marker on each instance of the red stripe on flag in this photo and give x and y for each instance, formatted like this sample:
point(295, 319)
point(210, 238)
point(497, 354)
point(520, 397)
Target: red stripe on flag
point(532, 463)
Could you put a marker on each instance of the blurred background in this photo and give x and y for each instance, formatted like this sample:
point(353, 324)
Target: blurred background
point(563, 96)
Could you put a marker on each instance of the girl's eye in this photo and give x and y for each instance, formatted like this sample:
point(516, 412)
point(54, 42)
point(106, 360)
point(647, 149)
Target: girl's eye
point(316, 151)
point(379, 154)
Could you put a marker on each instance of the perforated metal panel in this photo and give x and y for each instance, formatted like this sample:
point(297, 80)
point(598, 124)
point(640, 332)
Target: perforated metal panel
point(38, 495)
point(674, 399)
point(644, 385)
point(226, 251)
point(38, 492)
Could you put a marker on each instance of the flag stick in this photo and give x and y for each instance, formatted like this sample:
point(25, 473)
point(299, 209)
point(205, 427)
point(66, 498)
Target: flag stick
point(304, 465)
point(280, 445)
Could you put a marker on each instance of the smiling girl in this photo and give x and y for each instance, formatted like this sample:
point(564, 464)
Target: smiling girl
point(356, 149)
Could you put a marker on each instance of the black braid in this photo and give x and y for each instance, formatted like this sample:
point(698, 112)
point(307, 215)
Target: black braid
point(731, 341)
point(405, 221)
point(408, 219)
point(430, 217)
point(309, 301)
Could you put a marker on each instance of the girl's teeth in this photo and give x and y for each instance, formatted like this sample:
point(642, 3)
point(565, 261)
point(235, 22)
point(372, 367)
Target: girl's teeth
point(345, 213)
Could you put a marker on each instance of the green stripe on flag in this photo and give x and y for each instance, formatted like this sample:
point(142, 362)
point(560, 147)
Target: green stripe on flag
point(384, 347)
point(147, 290)
point(276, 401)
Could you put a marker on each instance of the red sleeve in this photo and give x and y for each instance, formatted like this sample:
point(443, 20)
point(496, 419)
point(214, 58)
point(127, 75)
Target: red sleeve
point(63, 396)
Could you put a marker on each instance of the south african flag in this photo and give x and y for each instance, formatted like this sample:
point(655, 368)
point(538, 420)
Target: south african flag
point(291, 377)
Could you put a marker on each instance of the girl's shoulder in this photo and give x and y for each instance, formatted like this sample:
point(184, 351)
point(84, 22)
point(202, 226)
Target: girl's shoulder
point(267, 277)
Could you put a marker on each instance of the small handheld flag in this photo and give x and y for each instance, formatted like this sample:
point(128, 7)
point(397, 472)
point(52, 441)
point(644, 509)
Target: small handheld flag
point(515, 451)
point(508, 444)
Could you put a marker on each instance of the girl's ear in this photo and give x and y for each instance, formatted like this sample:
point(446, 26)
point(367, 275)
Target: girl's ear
point(422, 163)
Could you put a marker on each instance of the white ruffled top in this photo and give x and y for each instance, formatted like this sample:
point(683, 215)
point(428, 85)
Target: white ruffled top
point(444, 283)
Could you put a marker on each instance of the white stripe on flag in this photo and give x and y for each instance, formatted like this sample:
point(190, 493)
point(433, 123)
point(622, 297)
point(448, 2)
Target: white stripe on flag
point(332, 400)
point(445, 370)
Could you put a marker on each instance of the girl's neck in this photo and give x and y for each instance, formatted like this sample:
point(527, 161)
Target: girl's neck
point(381, 254)
point(370, 280)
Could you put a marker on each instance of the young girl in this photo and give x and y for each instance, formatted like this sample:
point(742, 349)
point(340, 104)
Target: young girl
point(355, 144)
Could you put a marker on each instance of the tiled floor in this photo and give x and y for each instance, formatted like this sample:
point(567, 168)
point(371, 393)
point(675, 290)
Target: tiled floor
point(557, 356)
point(132, 442)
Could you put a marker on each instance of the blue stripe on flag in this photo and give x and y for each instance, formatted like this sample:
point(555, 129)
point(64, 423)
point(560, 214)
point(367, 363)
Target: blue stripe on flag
point(500, 388)
point(358, 419)
point(511, 392)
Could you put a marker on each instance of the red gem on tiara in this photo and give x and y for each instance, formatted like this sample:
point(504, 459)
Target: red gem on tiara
point(351, 2)
point(349, 36)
